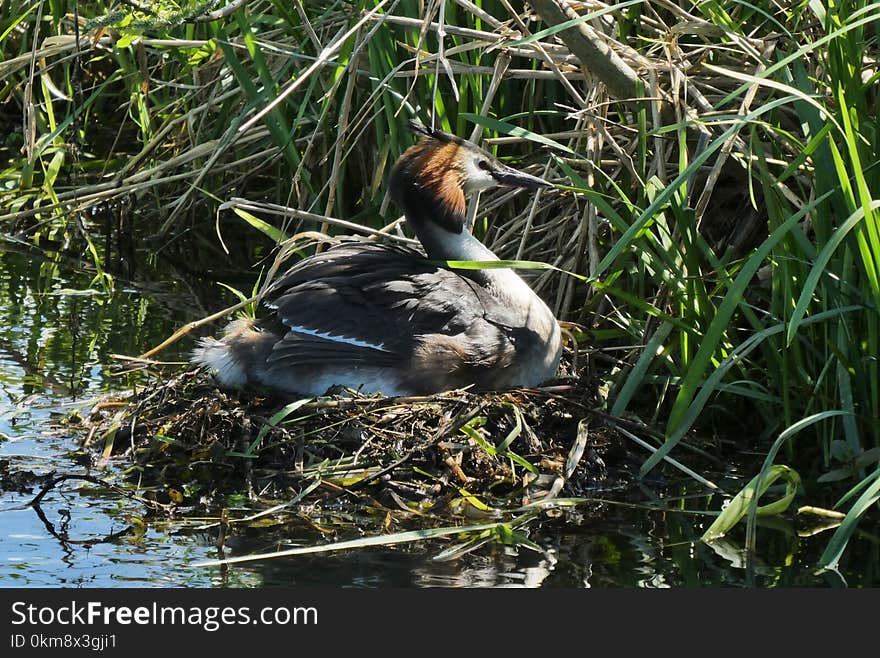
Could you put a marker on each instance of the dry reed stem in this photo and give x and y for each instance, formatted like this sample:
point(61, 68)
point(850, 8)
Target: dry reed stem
point(344, 112)
point(593, 51)
point(295, 213)
point(190, 326)
point(731, 141)
point(554, 68)
point(501, 64)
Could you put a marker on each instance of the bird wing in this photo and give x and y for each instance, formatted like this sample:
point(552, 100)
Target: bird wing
point(368, 303)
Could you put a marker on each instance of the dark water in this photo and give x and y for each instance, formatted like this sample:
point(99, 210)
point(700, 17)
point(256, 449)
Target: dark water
point(58, 332)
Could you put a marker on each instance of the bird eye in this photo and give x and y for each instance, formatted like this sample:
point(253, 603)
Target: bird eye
point(484, 165)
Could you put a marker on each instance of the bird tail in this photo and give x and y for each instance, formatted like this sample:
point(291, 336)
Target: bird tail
point(226, 358)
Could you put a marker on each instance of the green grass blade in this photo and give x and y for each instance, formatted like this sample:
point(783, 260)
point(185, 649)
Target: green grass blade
point(749, 495)
point(696, 373)
point(505, 264)
point(276, 418)
point(765, 475)
point(837, 544)
point(262, 226)
point(381, 540)
point(625, 240)
point(820, 268)
point(636, 376)
point(712, 382)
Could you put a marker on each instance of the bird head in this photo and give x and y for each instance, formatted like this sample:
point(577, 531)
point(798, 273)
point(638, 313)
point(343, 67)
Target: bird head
point(432, 179)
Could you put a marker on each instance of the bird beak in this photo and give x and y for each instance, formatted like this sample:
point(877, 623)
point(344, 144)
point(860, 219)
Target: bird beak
point(514, 178)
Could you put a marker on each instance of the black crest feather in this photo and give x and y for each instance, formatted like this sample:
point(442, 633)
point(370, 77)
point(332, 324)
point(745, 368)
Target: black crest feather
point(434, 133)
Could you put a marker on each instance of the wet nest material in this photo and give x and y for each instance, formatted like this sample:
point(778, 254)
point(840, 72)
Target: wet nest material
point(192, 446)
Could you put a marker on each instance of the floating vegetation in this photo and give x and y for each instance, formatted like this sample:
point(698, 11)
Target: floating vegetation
point(362, 469)
point(192, 449)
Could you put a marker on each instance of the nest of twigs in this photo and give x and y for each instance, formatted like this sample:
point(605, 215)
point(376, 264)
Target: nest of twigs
point(192, 446)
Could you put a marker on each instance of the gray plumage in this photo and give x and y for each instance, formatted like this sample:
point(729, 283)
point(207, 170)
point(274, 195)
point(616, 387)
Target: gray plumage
point(379, 317)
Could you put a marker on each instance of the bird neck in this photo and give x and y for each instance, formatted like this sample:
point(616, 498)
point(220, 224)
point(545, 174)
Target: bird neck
point(443, 245)
point(435, 209)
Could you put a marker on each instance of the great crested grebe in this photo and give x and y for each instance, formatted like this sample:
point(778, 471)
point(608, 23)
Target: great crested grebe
point(383, 318)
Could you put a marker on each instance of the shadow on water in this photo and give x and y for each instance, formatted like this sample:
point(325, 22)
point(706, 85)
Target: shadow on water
point(58, 335)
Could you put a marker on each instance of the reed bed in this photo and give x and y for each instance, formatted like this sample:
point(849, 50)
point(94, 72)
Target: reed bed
point(713, 233)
